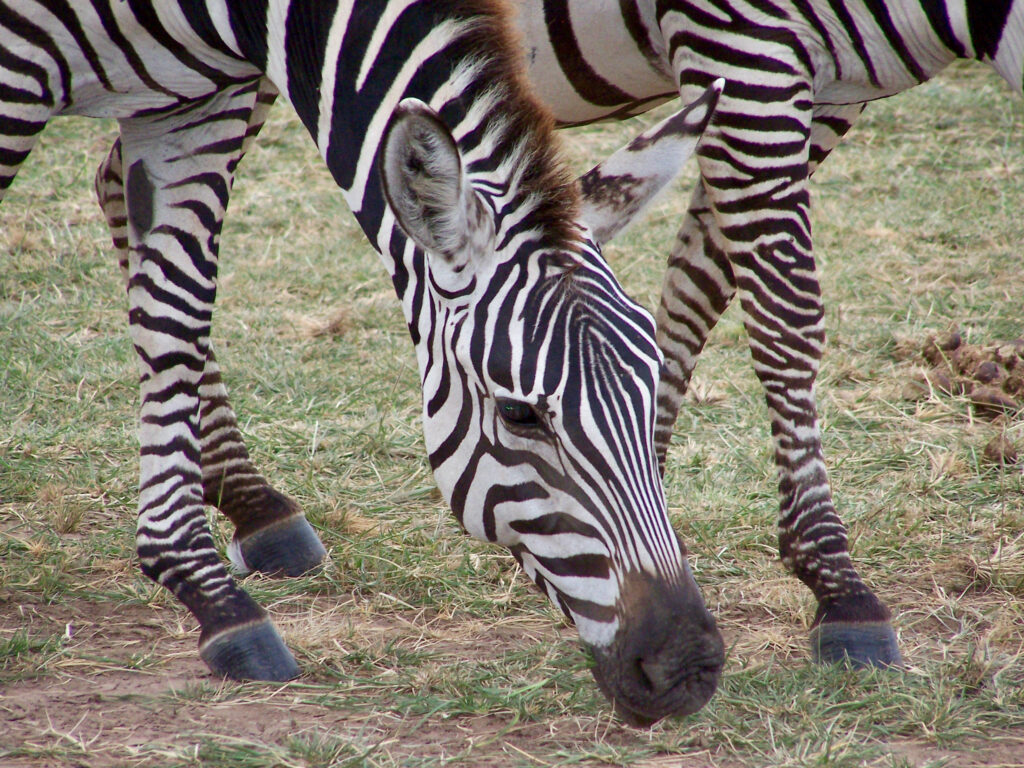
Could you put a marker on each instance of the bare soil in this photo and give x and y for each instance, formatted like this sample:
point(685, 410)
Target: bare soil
point(91, 701)
point(127, 687)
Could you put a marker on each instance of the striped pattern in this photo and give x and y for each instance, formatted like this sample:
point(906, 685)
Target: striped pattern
point(798, 73)
point(539, 374)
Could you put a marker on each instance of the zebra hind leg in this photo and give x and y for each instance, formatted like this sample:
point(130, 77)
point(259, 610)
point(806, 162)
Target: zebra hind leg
point(172, 202)
point(272, 535)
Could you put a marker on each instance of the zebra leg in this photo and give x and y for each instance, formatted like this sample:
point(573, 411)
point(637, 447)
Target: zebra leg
point(697, 289)
point(271, 533)
point(850, 622)
point(176, 187)
point(20, 126)
point(699, 284)
point(834, 637)
point(763, 220)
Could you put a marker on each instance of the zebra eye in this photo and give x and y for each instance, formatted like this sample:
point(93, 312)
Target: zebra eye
point(517, 414)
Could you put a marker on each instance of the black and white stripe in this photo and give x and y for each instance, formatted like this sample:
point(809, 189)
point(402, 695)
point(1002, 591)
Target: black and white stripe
point(798, 75)
point(539, 374)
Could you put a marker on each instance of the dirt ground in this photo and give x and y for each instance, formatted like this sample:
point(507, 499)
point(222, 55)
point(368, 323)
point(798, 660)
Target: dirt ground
point(129, 689)
point(98, 706)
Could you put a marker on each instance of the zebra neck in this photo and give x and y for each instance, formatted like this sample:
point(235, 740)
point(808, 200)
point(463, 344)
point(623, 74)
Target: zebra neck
point(345, 66)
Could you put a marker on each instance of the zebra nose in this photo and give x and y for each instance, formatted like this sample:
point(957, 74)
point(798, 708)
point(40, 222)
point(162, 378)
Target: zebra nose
point(667, 655)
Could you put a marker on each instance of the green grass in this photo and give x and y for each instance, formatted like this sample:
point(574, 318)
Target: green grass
point(424, 648)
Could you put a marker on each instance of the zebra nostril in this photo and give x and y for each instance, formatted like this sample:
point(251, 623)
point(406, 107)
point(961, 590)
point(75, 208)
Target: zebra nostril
point(640, 667)
point(667, 656)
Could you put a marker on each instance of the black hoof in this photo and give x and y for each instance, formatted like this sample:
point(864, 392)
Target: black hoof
point(288, 548)
point(250, 652)
point(861, 644)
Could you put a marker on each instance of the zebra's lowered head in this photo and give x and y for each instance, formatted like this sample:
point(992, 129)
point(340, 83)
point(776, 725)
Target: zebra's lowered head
point(540, 378)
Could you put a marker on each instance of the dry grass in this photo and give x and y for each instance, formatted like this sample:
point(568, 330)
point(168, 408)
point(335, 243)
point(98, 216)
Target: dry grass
point(424, 648)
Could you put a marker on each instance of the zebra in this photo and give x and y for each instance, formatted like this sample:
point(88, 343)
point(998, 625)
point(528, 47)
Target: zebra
point(539, 373)
point(799, 73)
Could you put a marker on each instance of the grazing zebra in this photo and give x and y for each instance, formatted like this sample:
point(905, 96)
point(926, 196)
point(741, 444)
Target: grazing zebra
point(539, 374)
point(798, 74)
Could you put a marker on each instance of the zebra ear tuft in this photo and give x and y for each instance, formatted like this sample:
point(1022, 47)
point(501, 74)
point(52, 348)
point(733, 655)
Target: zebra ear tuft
point(617, 191)
point(423, 179)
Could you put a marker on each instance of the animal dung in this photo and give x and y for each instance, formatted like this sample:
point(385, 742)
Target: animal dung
point(989, 402)
point(991, 376)
point(1001, 450)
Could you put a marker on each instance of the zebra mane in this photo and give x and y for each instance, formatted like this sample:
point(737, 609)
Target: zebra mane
point(543, 176)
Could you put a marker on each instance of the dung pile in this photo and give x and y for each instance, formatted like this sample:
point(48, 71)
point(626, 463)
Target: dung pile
point(989, 376)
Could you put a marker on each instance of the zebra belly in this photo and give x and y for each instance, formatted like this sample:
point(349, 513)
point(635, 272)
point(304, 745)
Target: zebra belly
point(587, 63)
point(86, 75)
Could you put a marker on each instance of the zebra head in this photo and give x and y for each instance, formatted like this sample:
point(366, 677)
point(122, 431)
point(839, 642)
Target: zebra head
point(539, 377)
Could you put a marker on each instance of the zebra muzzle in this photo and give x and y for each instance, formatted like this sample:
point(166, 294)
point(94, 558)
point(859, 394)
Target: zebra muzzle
point(667, 655)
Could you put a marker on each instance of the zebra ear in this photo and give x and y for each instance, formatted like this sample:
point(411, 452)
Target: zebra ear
point(426, 186)
point(619, 189)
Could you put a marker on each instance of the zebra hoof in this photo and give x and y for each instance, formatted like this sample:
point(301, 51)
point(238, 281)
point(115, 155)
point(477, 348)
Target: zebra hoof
point(860, 644)
point(288, 548)
point(250, 652)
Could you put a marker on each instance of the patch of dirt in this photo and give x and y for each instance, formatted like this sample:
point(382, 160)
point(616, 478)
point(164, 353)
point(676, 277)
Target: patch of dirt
point(124, 685)
point(121, 684)
point(999, 752)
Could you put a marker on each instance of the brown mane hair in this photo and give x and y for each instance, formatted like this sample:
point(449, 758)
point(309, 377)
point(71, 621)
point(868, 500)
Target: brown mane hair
point(494, 37)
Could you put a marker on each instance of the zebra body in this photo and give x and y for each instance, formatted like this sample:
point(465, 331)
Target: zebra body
point(798, 74)
point(539, 374)
point(600, 59)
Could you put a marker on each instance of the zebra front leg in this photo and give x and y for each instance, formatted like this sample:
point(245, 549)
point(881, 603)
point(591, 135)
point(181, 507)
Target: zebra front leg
point(850, 622)
point(699, 283)
point(697, 289)
point(760, 198)
point(174, 201)
point(783, 316)
point(272, 534)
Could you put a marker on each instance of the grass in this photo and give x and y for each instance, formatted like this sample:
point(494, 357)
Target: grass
point(422, 647)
